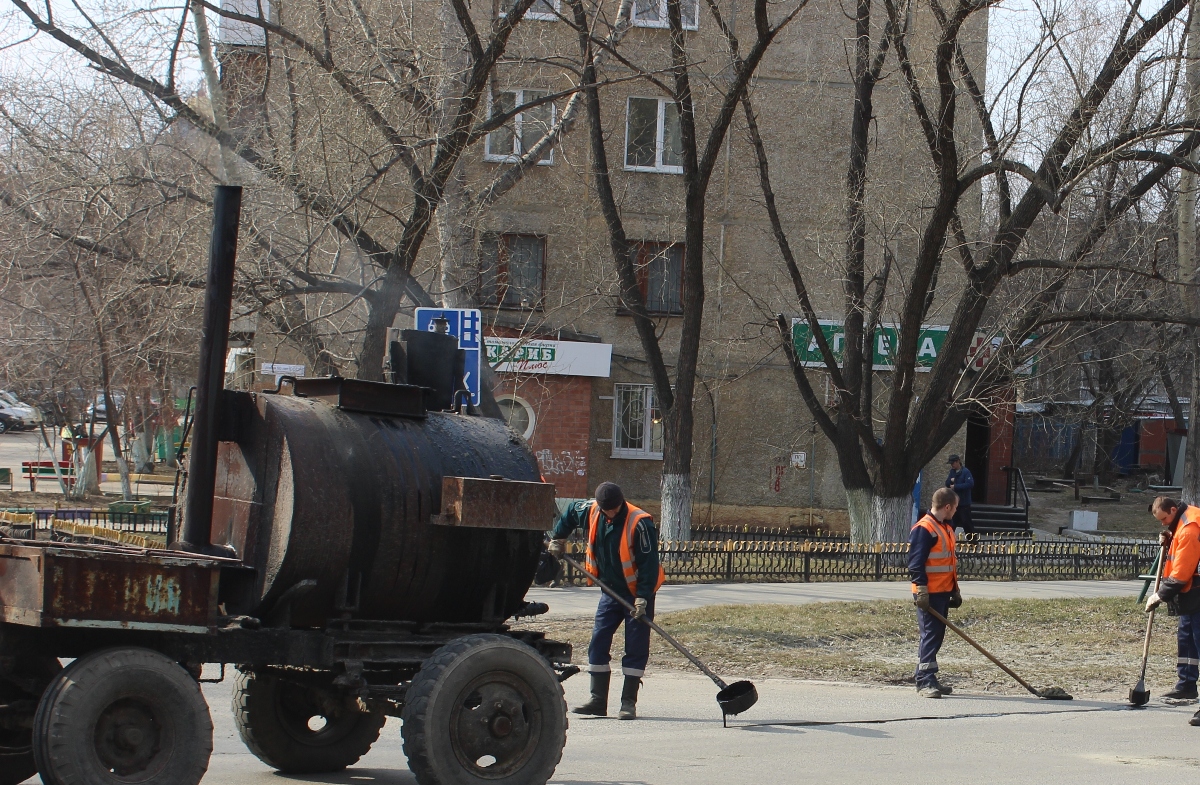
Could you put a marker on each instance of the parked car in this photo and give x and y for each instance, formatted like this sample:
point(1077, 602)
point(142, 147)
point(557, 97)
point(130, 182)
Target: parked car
point(22, 415)
point(98, 408)
point(7, 422)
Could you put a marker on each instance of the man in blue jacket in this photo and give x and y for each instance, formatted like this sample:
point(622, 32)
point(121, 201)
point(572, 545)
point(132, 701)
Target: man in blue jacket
point(622, 551)
point(962, 481)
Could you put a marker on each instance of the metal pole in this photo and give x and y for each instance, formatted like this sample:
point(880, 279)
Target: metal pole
point(210, 379)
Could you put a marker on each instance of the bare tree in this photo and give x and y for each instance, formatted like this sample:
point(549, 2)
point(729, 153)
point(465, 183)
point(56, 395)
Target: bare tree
point(1096, 161)
point(700, 149)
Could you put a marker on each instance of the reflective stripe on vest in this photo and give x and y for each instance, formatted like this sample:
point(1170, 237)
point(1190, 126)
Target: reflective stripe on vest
point(633, 516)
point(941, 565)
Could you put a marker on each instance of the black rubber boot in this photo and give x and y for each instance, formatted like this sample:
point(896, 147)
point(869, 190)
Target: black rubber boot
point(1186, 692)
point(1195, 720)
point(629, 698)
point(597, 706)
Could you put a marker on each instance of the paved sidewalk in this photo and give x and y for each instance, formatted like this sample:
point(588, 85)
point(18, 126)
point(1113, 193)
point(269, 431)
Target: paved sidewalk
point(575, 601)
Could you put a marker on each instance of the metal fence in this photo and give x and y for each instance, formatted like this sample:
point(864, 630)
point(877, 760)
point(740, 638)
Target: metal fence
point(767, 562)
point(155, 523)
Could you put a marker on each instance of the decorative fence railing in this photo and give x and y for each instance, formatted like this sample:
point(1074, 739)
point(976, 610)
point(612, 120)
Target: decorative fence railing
point(142, 530)
point(765, 562)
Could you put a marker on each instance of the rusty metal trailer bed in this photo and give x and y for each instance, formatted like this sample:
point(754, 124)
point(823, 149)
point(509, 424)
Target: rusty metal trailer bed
point(353, 549)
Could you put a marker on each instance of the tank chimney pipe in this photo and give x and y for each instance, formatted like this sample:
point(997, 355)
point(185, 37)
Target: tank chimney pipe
point(210, 380)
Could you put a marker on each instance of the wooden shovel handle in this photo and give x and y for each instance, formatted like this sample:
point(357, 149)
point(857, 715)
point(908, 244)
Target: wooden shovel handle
point(666, 635)
point(982, 650)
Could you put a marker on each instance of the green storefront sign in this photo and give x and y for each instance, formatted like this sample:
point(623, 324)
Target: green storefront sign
point(521, 353)
point(887, 337)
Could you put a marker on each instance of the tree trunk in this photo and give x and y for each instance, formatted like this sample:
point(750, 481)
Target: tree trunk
point(891, 518)
point(1189, 265)
point(675, 520)
point(859, 503)
point(456, 220)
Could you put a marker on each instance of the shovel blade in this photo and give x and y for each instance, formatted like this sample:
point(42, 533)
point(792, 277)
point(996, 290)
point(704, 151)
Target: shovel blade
point(737, 697)
point(1139, 695)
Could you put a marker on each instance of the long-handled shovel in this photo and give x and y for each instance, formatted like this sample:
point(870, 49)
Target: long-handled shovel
point(733, 698)
point(1048, 693)
point(1139, 695)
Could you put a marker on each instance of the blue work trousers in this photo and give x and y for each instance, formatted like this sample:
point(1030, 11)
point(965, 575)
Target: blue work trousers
point(933, 632)
point(609, 616)
point(1189, 650)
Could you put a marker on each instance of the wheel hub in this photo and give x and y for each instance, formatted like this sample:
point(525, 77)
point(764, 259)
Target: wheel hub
point(127, 737)
point(494, 727)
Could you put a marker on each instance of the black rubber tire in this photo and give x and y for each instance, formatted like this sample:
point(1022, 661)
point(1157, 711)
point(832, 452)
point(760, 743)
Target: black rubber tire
point(16, 747)
point(3, 428)
point(272, 714)
point(129, 691)
point(440, 714)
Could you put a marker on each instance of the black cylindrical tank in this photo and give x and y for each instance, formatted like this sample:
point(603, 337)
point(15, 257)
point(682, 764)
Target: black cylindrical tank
point(308, 492)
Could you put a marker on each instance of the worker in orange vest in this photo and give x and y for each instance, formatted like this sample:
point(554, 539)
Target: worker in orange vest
point(933, 568)
point(1180, 589)
point(622, 551)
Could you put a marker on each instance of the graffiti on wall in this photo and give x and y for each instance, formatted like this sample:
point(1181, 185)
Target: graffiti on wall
point(564, 462)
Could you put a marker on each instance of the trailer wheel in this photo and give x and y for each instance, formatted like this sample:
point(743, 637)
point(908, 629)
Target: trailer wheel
point(19, 693)
point(303, 725)
point(122, 715)
point(484, 709)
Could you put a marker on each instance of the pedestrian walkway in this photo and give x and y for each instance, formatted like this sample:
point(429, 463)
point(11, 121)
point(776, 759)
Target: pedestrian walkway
point(575, 601)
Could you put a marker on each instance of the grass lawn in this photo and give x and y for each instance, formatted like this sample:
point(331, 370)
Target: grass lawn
point(1089, 647)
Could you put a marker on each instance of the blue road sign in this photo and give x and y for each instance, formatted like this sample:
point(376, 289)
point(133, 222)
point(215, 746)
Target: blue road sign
point(466, 324)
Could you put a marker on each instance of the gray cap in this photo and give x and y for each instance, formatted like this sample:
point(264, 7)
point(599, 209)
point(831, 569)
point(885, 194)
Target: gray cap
point(953, 458)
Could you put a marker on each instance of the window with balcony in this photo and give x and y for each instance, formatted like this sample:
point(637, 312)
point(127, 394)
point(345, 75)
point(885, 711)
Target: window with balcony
point(659, 270)
point(637, 423)
point(512, 271)
point(653, 13)
point(652, 138)
point(508, 143)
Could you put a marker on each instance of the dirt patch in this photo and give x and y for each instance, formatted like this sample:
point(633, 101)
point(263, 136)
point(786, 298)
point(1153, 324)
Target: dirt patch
point(1128, 517)
point(1087, 647)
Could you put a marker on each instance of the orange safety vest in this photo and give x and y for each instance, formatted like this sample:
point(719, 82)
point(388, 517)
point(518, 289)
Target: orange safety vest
point(632, 518)
point(1182, 561)
point(941, 567)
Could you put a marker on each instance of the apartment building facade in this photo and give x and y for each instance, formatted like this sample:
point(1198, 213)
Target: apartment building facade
point(572, 377)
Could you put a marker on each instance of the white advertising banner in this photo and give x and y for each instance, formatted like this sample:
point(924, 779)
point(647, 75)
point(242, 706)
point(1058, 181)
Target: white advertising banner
point(558, 358)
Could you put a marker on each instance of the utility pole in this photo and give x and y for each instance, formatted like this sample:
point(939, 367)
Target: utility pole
point(1189, 272)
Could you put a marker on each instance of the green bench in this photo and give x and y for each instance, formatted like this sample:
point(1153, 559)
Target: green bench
point(6, 477)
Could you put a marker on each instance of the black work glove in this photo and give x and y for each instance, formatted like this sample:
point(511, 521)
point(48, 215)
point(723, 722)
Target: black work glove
point(956, 598)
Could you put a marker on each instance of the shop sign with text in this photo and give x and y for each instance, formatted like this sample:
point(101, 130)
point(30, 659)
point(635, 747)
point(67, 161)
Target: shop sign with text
point(560, 358)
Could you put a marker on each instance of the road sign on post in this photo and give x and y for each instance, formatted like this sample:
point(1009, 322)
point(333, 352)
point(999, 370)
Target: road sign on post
point(465, 324)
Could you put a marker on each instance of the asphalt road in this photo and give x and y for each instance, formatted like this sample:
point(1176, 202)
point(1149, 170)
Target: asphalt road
point(816, 732)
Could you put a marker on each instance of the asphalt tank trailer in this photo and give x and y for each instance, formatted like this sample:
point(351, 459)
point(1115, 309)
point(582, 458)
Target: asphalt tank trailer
point(349, 551)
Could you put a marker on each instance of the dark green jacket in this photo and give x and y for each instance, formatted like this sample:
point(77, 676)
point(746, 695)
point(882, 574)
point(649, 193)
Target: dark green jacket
point(608, 546)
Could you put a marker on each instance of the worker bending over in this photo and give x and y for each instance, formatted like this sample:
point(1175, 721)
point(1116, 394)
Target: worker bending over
point(622, 551)
point(933, 568)
point(1180, 588)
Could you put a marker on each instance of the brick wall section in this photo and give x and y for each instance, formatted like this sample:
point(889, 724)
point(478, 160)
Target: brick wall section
point(562, 427)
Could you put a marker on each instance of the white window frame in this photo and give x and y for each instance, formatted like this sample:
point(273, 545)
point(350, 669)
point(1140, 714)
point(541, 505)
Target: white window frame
point(663, 23)
point(518, 121)
point(660, 143)
point(540, 17)
point(646, 452)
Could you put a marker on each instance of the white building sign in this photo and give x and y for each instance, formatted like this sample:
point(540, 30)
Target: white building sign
point(558, 358)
